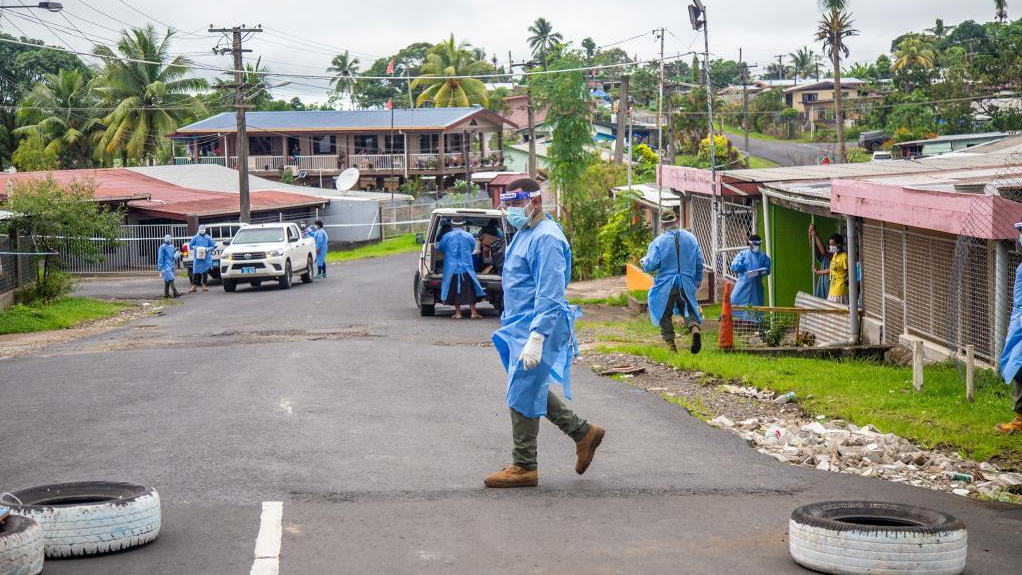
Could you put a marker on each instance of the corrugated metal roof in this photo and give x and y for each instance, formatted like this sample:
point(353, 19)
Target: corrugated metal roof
point(886, 168)
point(958, 138)
point(327, 120)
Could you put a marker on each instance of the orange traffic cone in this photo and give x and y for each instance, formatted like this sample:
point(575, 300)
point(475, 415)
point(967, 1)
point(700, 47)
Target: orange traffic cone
point(726, 335)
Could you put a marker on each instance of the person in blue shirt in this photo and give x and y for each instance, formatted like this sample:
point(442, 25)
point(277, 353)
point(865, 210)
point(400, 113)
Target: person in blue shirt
point(322, 247)
point(201, 266)
point(678, 262)
point(1011, 357)
point(536, 339)
point(165, 257)
point(750, 267)
point(823, 257)
point(460, 284)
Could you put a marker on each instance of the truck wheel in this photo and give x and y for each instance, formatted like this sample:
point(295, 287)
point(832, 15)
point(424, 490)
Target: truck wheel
point(424, 309)
point(21, 546)
point(308, 275)
point(90, 517)
point(285, 282)
point(257, 283)
point(230, 285)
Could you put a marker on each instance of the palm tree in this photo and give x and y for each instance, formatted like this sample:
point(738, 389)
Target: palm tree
point(257, 89)
point(441, 80)
point(835, 26)
point(803, 61)
point(151, 93)
point(590, 49)
point(1001, 10)
point(914, 52)
point(543, 39)
point(61, 109)
point(865, 72)
point(345, 67)
point(940, 30)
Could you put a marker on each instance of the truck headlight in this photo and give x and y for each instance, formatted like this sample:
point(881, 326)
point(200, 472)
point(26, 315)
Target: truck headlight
point(276, 253)
point(226, 257)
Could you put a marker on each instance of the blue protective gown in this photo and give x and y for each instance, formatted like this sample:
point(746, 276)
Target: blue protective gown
point(204, 265)
point(165, 261)
point(457, 246)
point(1011, 357)
point(663, 258)
point(536, 273)
point(748, 291)
point(322, 245)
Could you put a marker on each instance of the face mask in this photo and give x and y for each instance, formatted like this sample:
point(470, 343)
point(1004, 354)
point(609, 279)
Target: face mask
point(168, 242)
point(755, 248)
point(517, 217)
point(832, 249)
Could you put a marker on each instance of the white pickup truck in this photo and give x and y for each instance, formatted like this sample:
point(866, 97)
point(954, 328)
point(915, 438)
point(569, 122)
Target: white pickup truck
point(265, 252)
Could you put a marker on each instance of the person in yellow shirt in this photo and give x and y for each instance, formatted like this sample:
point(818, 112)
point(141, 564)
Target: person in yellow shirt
point(838, 270)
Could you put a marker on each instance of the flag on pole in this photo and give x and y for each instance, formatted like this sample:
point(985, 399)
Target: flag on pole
point(390, 67)
point(389, 105)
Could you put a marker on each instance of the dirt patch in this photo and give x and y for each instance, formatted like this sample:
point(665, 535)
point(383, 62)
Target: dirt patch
point(17, 344)
point(597, 289)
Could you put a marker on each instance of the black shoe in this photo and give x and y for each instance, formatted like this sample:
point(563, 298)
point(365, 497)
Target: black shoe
point(697, 341)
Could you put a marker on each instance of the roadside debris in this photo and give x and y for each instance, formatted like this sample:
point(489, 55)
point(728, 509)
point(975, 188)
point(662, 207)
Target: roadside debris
point(623, 370)
point(847, 448)
point(783, 430)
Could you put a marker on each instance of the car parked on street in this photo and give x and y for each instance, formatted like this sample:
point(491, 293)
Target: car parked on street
point(492, 233)
point(266, 252)
point(221, 235)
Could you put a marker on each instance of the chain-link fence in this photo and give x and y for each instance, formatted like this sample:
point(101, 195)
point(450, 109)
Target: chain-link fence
point(772, 327)
point(17, 264)
point(735, 222)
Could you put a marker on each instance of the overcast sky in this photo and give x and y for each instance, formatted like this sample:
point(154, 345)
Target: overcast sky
point(303, 34)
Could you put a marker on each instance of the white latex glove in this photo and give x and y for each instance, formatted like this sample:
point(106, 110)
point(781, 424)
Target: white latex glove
point(752, 274)
point(643, 262)
point(532, 353)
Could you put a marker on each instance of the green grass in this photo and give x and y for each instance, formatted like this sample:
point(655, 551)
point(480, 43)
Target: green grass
point(857, 391)
point(63, 313)
point(400, 245)
point(620, 300)
point(756, 163)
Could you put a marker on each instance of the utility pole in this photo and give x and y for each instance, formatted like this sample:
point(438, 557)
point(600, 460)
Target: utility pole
point(696, 11)
point(532, 133)
point(241, 142)
point(623, 108)
point(660, 134)
point(745, 99)
point(780, 66)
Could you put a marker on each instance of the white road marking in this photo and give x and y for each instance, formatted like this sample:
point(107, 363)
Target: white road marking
point(267, 547)
point(285, 406)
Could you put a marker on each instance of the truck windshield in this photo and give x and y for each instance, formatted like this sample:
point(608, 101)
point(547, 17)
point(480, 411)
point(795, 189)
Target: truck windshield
point(259, 236)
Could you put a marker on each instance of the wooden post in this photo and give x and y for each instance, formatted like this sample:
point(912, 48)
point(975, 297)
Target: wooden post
point(917, 365)
point(970, 371)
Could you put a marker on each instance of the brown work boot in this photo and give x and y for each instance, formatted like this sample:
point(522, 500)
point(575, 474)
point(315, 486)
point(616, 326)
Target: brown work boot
point(672, 346)
point(586, 447)
point(193, 289)
point(513, 476)
point(1010, 428)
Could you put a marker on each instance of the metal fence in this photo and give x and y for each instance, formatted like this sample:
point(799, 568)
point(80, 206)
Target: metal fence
point(135, 250)
point(735, 222)
point(17, 266)
point(769, 327)
point(414, 218)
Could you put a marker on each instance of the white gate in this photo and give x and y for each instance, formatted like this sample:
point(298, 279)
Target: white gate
point(135, 250)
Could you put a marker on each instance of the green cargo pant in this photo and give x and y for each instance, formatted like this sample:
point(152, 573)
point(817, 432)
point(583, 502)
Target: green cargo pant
point(525, 430)
point(676, 299)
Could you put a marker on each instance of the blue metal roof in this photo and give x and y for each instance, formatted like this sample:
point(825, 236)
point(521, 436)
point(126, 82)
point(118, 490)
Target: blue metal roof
point(330, 120)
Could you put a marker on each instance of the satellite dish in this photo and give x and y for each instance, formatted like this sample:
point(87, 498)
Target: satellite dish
point(347, 180)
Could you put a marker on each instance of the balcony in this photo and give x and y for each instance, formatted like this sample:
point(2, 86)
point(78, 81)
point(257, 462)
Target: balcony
point(212, 160)
point(383, 164)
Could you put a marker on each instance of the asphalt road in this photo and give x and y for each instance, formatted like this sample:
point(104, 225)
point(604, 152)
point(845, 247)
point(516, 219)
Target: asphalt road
point(781, 152)
point(375, 427)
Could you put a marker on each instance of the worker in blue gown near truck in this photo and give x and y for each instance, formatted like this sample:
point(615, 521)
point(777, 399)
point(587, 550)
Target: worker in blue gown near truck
point(536, 340)
point(322, 247)
point(460, 284)
point(750, 266)
point(202, 246)
point(165, 261)
point(678, 262)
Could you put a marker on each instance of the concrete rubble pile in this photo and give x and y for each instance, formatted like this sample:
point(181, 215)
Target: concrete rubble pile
point(846, 448)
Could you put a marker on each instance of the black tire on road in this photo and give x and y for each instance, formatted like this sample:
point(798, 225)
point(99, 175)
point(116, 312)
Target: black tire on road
point(876, 538)
point(257, 283)
point(230, 285)
point(91, 517)
point(309, 267)
point(21, 546)
point(425, 310)
point(285, 281)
